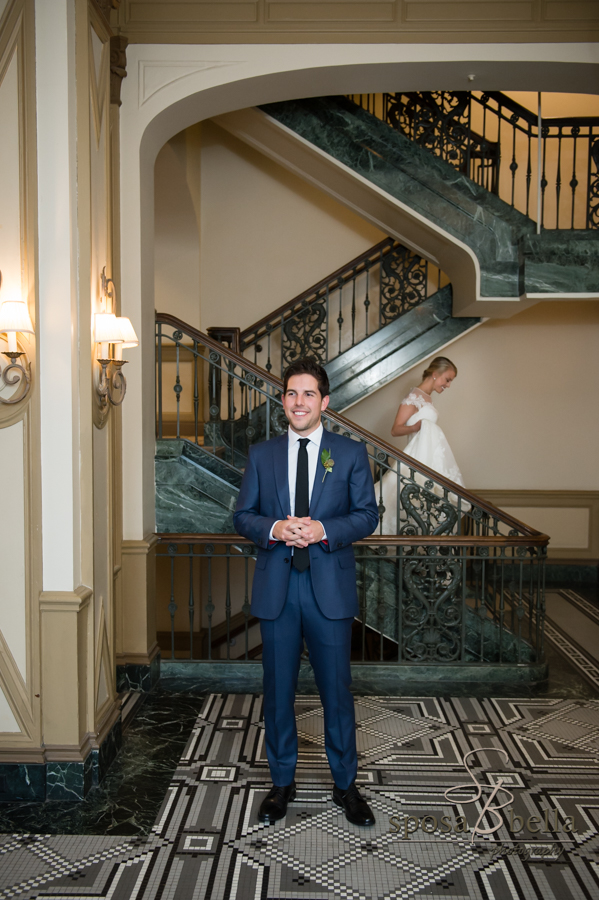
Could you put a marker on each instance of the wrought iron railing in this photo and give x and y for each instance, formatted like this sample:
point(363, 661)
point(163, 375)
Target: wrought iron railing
point(343, 309)
point(448, 578)
point(244, 407)
point(423, 601)
point(494, 140)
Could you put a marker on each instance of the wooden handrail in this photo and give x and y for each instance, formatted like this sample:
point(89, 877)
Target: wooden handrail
point(348, 425)
point(383, 247)
point(381, 540)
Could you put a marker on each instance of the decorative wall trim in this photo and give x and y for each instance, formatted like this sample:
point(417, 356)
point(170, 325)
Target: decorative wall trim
point(156, 76)
point(566, 500)
point(358, 21)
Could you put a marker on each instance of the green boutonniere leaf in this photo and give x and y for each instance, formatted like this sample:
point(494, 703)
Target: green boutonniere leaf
point(328, 463)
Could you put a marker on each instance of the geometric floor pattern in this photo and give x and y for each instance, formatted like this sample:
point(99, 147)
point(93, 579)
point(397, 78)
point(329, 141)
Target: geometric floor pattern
point(473, 798)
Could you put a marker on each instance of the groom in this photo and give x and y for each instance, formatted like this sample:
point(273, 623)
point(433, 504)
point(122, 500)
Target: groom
point(306, 497)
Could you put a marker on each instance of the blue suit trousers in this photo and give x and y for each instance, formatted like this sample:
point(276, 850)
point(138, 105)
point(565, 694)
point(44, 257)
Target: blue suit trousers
point(329, 646)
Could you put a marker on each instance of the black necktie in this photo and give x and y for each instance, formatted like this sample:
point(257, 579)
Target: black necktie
point(301, 555)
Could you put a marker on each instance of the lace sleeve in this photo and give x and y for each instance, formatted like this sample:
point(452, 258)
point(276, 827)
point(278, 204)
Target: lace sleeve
point(413, 399)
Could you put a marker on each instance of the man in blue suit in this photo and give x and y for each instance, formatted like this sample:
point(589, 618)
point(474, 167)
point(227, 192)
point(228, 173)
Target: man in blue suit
point(306, 497)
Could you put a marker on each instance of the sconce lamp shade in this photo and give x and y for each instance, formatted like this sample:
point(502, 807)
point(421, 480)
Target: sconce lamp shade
point(128, 335)
point(106, 329)
point(14, 316)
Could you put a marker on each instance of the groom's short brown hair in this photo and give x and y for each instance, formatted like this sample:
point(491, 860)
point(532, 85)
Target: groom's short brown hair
point(308, 366)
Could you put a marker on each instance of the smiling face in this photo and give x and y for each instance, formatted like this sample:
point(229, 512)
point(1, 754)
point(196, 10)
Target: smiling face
point(303, 404)
point(443, 380)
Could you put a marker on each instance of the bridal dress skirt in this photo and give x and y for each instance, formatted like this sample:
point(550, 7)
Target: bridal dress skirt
point(428, 446)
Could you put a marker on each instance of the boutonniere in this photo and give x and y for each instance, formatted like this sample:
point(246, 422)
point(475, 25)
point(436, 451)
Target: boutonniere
point(328, 463)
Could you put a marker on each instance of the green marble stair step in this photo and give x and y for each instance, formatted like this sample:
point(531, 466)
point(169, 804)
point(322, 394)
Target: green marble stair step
point(196, 492)
point(394, 349)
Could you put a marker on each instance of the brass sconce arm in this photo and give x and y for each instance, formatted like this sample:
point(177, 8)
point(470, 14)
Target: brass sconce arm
point(112, 386)
point(22, 374)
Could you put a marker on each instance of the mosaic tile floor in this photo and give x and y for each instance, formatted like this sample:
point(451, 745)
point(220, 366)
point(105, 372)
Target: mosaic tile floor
point(206, 843)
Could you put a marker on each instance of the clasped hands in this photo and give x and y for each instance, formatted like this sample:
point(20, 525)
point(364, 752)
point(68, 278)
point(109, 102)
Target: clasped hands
point(298, 532)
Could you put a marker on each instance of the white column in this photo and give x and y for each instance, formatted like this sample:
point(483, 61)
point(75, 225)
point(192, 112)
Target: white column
point(58, 326)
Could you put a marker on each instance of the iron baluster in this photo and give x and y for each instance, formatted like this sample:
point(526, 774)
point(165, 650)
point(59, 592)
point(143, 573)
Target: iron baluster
point(246, 607)
point(177, 389)
point(520, 612)
point(353, 310)
point(268, 366)
point(544, 133)
point(558, 177)
point(231, 397)
point(573, 180)
point(209, 549)
point(528, 169)
point(340, 317)
point(172, 607)
point(191, 601)
point(327, 320)
point(363, 610)
point(160, 380)
point(367, 299)
point(514, 164)
point(464, 580)
point(196, 394)
point(593, 182)
point(228, 603)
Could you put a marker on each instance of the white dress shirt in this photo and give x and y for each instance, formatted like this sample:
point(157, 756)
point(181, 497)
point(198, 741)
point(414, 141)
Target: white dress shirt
point(313, 450)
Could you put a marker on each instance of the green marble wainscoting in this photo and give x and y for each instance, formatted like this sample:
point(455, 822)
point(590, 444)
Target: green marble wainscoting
point(367, 678)
point(61, 781)
point(571, 573)
point(137, 677)
point(512, 258)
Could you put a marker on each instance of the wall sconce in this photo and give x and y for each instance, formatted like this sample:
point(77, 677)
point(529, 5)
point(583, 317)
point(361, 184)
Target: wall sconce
point(14, 317)
point(118, 332)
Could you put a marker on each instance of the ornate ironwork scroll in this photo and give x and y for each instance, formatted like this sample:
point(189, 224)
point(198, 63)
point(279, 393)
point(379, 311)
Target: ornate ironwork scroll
point(425, 512)
point(593, 207)
point(432, 608)
point(403, 283)
point(305, 333)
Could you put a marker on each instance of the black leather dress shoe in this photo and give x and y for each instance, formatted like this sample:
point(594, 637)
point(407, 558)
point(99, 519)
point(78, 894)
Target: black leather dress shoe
point(274, 805)
point(356, 809)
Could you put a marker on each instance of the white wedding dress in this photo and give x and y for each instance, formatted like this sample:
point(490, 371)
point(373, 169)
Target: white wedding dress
point(430, 447)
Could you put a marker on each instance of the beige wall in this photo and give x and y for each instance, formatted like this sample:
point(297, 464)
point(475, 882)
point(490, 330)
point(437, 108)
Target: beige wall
point(177, 246)
point(282, 235)
point(522, 415)
point(522, 419)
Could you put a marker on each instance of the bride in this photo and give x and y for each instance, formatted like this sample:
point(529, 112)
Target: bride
point(417, 417)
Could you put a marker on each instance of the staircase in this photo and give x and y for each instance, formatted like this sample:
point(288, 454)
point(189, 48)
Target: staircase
point(490, 250)
point(457, 581)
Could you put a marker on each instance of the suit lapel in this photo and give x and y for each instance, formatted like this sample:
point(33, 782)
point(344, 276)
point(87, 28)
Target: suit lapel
point(318, 486)
point(281, 466)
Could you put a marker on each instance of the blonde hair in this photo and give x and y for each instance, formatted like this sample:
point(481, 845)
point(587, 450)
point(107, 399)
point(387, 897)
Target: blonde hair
point(439, 364)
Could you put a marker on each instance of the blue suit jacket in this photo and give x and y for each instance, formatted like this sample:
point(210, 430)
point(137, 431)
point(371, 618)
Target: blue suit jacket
point(345, 504)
